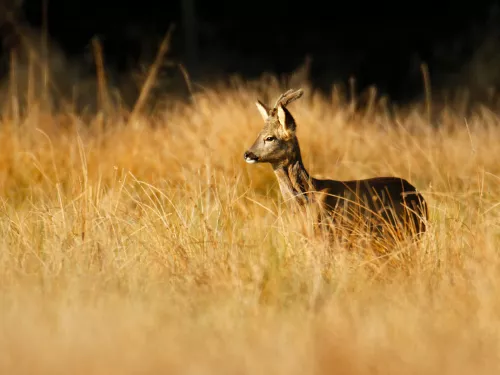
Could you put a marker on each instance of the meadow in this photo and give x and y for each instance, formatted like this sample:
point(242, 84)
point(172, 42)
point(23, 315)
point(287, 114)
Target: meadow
point(145, 244)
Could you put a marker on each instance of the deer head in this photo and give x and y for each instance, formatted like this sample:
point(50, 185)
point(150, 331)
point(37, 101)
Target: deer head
point(276, 142)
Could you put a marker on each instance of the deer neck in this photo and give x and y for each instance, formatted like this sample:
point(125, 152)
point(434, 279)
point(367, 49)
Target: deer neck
point(294, 180)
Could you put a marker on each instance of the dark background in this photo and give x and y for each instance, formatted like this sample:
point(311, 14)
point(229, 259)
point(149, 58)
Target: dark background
point(381, 43)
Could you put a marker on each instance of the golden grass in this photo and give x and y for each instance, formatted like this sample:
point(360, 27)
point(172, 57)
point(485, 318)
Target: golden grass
point(151, 247)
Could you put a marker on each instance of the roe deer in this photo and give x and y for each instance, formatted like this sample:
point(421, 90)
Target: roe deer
point(378, 203)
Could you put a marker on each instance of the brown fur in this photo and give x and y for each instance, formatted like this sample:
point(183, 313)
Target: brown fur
point(380, 202)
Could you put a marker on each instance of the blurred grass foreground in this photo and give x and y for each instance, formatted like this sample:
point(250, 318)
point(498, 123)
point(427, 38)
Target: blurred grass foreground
point(136, 243)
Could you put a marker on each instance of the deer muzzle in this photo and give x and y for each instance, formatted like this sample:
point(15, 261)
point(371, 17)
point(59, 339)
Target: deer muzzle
point(250, 157)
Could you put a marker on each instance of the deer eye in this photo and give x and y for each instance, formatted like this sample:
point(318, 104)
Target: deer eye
point(270, 139)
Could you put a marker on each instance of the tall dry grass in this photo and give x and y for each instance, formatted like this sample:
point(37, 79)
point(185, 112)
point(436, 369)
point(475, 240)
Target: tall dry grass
point(149, 246)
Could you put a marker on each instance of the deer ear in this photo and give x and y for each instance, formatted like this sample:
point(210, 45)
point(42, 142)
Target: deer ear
point(285, 119)
point(263, 110)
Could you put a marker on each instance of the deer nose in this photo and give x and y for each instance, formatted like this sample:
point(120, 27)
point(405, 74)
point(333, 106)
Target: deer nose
point(250, 157)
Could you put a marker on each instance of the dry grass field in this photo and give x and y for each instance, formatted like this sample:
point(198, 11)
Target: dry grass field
point(148, 245)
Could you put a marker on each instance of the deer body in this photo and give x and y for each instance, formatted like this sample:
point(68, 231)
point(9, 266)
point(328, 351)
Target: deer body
point(375, 202)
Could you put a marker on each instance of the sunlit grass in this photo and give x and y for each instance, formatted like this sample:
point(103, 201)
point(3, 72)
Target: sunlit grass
point(150, 246)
